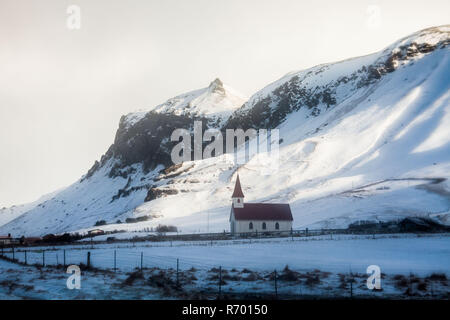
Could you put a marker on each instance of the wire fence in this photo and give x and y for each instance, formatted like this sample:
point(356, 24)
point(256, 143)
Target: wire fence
point(127, 260)
point(123, 259)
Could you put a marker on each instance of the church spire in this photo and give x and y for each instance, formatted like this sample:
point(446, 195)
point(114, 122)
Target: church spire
point(238, 195)
point(237, 189)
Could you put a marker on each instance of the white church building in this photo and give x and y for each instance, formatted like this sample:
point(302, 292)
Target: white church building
point(257, 217)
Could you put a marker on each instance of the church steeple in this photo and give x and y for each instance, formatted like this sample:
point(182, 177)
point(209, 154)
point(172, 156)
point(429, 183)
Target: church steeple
point(238, 195)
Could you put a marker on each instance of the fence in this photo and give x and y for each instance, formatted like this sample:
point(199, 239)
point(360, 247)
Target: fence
point(126, 260)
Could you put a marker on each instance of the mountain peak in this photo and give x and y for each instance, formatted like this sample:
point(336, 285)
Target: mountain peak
point(216, 86)
point(216, 101)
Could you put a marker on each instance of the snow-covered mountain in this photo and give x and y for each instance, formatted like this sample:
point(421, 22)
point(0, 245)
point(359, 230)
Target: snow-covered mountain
point(362, 139)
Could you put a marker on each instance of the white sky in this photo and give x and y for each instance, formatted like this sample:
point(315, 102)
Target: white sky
point(63, 91)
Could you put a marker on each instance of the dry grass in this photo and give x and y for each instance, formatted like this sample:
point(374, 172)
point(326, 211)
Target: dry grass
point(132, 277)
point(437, 277)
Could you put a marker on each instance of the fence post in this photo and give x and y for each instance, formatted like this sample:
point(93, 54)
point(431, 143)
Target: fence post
point(88, 262)
point(351, 289)
point(351, 280)
point(220, 281)
point(276, 286)
point(64, 257)
point(25, 256)
point(43, 258)
point(13, 253)
point(142, 259)
point(114, 260)
point(410, 283)
point(178, 276)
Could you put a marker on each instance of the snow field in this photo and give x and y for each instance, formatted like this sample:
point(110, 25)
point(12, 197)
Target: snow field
point(395, 254)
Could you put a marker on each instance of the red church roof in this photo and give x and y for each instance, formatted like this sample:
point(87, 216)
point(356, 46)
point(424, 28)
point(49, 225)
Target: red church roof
point(263, 211)
point(237, 193)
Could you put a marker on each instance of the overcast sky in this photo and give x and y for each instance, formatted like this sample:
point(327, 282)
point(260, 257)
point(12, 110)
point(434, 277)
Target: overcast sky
point(63, 91)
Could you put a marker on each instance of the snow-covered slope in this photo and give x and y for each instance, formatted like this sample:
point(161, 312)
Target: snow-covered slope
point(362, 139)
point(11, 213)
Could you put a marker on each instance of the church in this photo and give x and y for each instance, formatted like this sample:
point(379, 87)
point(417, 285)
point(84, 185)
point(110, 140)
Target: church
point(257, 217)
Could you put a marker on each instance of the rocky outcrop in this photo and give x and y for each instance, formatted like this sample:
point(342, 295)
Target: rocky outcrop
point(147, 142)
point(144, 138)
point(154, 193)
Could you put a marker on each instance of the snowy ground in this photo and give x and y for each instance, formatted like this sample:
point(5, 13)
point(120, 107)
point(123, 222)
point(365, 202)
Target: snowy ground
point(21, 282)
point(321, 266)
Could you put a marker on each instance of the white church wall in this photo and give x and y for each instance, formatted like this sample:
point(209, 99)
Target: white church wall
point(242, 226)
